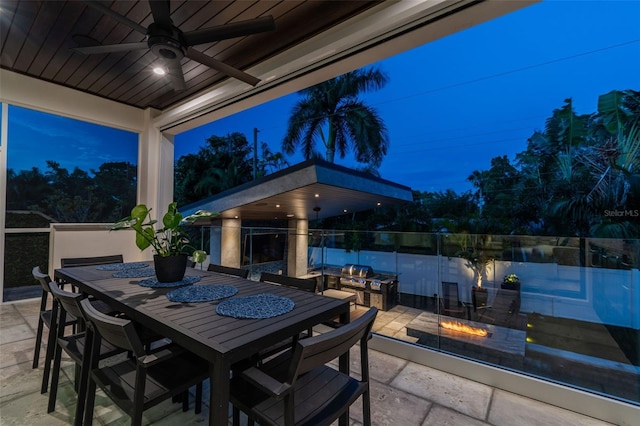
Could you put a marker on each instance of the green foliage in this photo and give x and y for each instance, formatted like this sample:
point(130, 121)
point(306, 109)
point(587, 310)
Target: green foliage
point(26, 219)
point(27, 250)
point(169, 240)
point(223, 163)
point(570, 175)
point(472, 249)
point(511, 279)
point(76, 196)
point(332, 114)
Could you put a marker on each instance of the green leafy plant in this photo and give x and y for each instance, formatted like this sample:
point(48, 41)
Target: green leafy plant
point(472, 250)
point(511, 279)
point(169, 240)
point(476, 260)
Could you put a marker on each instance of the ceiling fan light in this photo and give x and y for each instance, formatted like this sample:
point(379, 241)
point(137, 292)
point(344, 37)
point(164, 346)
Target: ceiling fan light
point(159, 71)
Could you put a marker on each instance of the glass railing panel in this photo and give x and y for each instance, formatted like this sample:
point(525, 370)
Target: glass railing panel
point(583, 321)
point(560, 309)
point(23, 251)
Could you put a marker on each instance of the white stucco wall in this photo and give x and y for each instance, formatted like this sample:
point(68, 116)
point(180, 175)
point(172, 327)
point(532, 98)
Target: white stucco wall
point(600, 295)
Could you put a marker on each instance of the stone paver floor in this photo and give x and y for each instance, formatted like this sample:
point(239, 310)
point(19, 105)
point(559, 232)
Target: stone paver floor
point(402, 393)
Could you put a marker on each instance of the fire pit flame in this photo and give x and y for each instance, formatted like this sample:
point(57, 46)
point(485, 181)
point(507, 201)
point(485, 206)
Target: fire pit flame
point(464, 328)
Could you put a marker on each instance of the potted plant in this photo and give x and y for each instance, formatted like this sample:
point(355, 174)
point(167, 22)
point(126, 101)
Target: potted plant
point(477, 261)
point(170, 243)
point(511, 282)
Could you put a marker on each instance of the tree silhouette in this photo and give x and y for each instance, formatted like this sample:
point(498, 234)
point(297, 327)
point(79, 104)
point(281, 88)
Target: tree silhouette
point(76, 197)
point(332, 113)
point(223, 163)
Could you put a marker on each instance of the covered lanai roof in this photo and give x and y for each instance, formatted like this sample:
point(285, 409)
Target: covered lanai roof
point(298, 191)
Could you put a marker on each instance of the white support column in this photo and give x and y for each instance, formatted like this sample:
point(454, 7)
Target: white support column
point(155, 166)
point(298, 247)
point(4, 121)
point(230, 243)
point(215, 245)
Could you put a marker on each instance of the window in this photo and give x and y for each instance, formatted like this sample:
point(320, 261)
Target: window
point(60, 170)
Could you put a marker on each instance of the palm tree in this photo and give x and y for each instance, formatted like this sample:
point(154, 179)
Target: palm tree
point(332, 112)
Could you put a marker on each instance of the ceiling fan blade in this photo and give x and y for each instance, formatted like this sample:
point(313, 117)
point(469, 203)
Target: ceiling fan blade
point(110, 48)
point(160, 10)
point(174, 68)
point(122, 19)
point(221, 66)
point(234, 29)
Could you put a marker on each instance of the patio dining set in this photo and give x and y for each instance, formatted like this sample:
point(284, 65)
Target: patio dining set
point(143, 342)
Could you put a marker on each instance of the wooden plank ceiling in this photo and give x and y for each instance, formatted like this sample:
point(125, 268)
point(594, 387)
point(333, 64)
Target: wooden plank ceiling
point(36, 38)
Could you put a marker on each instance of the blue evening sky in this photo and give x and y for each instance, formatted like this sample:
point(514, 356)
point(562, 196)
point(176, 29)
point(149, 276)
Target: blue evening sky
point(35, 137)
point(450, 106)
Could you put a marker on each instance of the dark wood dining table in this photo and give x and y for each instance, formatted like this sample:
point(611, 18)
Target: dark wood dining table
point(221, 340)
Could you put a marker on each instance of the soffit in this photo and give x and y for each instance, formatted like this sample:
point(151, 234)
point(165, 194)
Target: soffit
point(295, 193)
point(36, 38)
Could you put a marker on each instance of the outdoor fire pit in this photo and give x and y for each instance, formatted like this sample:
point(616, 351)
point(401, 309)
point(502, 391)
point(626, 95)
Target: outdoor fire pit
point(464, 328)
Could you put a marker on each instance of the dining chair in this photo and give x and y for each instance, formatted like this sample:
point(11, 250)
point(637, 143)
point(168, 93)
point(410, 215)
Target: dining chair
point(238, 272)
point(75, 346)
point(137, 383)
point(308, 285)
point(72, 262)
point(304, 284)
point(69, 262)
point(150, 338)
point(298, 387)
point(48, 317)
point(450, 300)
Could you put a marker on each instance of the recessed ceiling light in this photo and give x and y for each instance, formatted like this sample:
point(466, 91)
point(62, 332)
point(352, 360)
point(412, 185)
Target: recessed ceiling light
point(317, 195)
point(290, 215)
point(278, 205)
point(159, 71)
point(344, 211)
point(379, 204)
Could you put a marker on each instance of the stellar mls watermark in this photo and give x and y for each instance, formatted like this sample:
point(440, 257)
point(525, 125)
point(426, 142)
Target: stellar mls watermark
point(622, 213)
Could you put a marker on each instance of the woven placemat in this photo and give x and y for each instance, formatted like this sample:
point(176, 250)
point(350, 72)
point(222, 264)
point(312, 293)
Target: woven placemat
point(255, 307)
point(153, 282)
point(201, 293)
point(121, 266)
point(135, 273)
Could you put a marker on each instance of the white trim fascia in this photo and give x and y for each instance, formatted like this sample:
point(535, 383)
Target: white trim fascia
point(380, 32)
point(38, 95)
point(4, 129)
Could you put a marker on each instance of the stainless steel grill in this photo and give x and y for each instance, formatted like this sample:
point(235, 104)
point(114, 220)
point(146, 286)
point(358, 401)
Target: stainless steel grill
point(355, 275)
point(371, 289)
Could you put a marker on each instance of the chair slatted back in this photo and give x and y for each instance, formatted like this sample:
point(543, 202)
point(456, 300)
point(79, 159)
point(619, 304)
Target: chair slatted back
point(238, 272)
point(117, 331)
point(70, 302)
point(318, 350)
point(70, 262)
point(47, 317)
point(42, 278)
point(304, 284)
point(450, 296)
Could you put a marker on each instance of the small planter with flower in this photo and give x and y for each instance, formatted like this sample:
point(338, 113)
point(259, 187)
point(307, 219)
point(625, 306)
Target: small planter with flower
point(170, 243)
point(511, 282)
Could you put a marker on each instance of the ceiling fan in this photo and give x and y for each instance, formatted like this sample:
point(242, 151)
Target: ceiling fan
point(170, 44)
